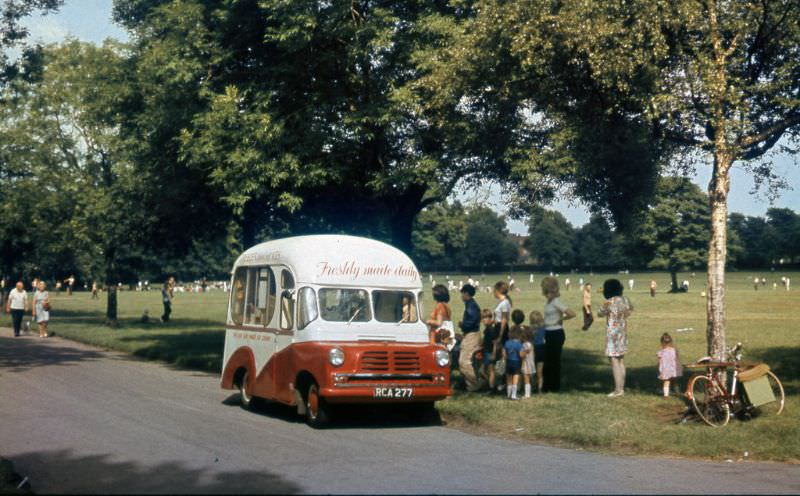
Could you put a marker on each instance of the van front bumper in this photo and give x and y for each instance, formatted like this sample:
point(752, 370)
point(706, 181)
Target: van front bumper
point(383, 388)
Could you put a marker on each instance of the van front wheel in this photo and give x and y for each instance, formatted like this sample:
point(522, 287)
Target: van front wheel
point(317, 414)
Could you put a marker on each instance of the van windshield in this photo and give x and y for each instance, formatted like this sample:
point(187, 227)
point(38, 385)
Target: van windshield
point(394, 306)
point(344, 305)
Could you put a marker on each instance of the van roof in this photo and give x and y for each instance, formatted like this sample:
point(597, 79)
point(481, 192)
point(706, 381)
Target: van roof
point(337, 260)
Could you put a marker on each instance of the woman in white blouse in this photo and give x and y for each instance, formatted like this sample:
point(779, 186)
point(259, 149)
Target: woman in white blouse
point(555, 313)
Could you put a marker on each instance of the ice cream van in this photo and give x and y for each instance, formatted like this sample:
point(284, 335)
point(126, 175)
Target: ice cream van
point(316, 321)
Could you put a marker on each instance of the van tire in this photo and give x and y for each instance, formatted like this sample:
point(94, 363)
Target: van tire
point(317, 412)
point(245, 399)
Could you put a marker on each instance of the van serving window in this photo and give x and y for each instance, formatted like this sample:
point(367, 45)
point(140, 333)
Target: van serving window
point(394, 306)
point(344, 305)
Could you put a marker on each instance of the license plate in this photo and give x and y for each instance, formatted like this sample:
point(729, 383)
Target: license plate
point(393, 393)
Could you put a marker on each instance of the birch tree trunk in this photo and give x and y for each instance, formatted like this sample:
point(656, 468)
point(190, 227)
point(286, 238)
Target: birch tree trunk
point(717, 253)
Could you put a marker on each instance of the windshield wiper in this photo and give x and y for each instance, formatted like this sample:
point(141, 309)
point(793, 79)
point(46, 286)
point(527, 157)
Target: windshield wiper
point(358, 310)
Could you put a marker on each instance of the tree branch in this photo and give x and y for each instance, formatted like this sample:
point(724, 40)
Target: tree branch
point(772, 132)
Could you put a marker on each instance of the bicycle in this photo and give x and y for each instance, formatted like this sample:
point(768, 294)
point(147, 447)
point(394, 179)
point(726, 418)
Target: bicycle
point(754, 389)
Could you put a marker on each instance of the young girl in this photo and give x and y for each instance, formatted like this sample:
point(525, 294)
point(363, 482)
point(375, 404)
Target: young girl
point(616, 309)
point(528, 368)
point(512, 352)
point(536, 321)
point(440, 324)
point(669, 365)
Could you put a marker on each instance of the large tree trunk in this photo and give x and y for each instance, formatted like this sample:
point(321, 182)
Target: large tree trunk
point(717, 252)
point(674, 278)
point(406, 208)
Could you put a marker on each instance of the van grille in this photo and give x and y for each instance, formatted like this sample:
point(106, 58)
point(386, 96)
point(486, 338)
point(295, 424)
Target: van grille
point(401, 362)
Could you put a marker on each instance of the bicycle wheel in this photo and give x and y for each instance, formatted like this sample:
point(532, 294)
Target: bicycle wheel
point(709, 401)
point(773, 408)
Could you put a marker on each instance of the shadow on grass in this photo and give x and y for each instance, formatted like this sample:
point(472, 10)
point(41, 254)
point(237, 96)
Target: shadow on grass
point(196, 350)
point(65, 472)
point(388, 416)
point(20, 354)
point(785, 363)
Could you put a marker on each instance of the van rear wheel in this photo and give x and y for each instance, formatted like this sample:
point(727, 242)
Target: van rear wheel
point(317, 414)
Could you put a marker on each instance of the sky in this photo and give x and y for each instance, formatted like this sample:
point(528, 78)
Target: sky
point(90, 20)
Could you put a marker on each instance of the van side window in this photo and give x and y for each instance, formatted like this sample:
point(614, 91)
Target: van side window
point(238, 294)
point(307, 307)
point(287, 303)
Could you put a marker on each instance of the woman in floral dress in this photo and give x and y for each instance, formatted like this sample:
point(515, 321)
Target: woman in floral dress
point(616, 310)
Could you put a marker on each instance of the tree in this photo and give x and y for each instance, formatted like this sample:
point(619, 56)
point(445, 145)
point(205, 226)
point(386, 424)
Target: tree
point(308, 111)
point(708, 78)
point(550, 239)
point(13, 34)
point(594, 244)
point(783, 235)
point(488, 242)
point(675, 228)
point(440, 236)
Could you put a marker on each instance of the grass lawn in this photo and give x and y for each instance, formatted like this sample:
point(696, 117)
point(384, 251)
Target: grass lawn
point(582, 415)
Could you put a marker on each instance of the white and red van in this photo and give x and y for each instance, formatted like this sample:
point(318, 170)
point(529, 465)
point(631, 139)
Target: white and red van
point(325, 319)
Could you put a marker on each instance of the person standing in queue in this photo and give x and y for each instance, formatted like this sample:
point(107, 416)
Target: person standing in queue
point(441, 317)
point(555, 313)
point(16, 305)
point(502, 317)
point(471, 342)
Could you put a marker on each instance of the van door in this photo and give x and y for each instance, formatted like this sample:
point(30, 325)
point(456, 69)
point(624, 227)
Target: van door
point(285, 311)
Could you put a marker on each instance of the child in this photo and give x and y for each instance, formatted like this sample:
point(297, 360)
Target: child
point(512, 353)
point(526, 355)
point(536, 320)
point(669, 365)
point(489, 336)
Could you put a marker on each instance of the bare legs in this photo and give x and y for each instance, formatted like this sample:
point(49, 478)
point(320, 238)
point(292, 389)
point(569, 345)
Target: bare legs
point(618, 372)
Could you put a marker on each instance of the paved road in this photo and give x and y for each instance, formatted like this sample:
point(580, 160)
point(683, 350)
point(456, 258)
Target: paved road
point(77, 419)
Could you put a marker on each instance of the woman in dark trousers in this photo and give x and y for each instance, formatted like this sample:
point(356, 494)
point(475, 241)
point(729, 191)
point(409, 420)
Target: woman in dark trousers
point(555, 313)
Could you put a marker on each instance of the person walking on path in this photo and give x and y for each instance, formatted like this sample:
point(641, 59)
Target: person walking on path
point(616, 309)
point(555, 313)
point(166, 299)
point(41, 308)
point(471, 342)
point(588, 318)
point(16, 305)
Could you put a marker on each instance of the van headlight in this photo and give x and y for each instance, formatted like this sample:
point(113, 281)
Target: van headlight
point(336, 357)
point(442, 358)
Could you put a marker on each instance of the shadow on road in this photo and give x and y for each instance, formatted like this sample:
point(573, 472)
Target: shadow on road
point(100, 474)
point(389, 416)
point(17, 354)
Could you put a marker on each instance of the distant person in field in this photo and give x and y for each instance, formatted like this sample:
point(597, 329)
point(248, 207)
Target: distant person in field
point(763, 281)
point(555, 313)
point(41, 308)
point(588, 318)
point(166, 299)
point(669, 364)
point(94, 291)
point(630, 284)
point(70, 282)
point(567, 283)
point(616, 310)
point(756, 280)
point(471, 342)
point(653, 286)
point(16, 305)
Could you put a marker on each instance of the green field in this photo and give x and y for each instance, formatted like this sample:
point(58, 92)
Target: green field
point(581, 416)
